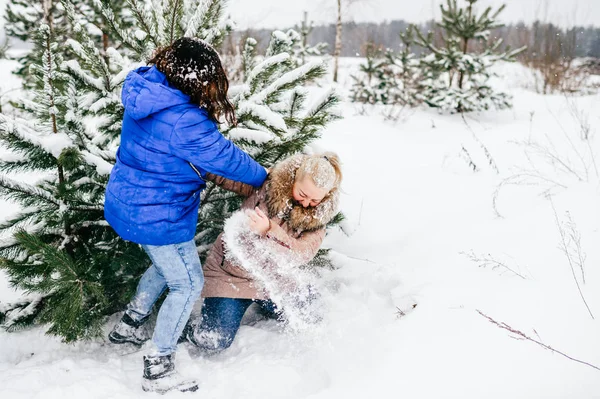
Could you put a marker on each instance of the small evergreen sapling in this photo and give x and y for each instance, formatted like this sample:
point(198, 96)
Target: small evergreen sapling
point(387, 77)
point(302, 50)
point(368, 86)
point(456, 76)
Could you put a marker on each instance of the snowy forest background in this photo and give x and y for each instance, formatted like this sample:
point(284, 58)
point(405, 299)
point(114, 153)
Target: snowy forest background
point(580, 41)
point(466, 263)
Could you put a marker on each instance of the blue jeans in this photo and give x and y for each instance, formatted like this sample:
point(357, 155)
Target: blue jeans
point(221, 318)
point(176, 267)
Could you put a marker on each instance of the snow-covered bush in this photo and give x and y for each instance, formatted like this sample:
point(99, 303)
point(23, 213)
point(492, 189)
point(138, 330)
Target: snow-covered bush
point(456, 76)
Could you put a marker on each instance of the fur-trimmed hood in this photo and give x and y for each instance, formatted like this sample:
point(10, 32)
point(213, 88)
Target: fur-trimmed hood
point(279, 198)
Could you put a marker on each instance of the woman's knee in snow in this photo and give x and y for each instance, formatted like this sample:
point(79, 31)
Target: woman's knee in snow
point(212, 341)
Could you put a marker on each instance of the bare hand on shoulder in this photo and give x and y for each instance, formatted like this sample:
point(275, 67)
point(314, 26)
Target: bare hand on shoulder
point(259, 222)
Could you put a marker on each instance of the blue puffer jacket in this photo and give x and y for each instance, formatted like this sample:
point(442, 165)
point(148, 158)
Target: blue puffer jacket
point(153, 193)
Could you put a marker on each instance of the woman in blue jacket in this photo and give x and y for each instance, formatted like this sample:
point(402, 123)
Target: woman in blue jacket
point(169, 141)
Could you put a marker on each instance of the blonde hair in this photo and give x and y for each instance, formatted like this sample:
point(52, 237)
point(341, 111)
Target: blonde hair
point(324, 170)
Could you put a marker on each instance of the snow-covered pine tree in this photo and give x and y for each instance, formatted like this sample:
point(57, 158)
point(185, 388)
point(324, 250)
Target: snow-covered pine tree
point(98, 71)
point(57, 247)
point(160, 22)
point(386, 78)
point(302, 50)
point(370, 85)
point(69, 239)
point(404, 72)
point(456, 76)
point(22, 19)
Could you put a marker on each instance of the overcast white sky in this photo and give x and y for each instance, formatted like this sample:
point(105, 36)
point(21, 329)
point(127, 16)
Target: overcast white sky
point(286, 13)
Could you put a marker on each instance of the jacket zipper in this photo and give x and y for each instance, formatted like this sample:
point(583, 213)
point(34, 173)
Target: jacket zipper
point(196, 170)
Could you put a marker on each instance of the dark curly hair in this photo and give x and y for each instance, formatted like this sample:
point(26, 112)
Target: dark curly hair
point(194, 67)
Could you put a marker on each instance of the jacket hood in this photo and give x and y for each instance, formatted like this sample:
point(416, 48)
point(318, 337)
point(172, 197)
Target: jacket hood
point(146, 91)
point(279, 198)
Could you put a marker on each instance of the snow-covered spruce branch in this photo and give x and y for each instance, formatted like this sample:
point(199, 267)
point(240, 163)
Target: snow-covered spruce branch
point(289, 80)
point(85, 48)
point(244, 136)
point(522, 336)
point(261, 115)
point(205, 21)
point(158, 14)
point(488, 260)
point(321, 105)
point(197, 19)
point(124, 36)
point(264, 69)
point(9, 186)
point(74, 68)
point(24, 217)
point(102, 166)
point(14, 312)
point(53, 144)
point(565, 247)
point(145, 20)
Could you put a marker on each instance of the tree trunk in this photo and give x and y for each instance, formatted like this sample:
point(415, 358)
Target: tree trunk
point(105, 44)
point(462, 73)
point(465, 47)
point(338, 41)
point(47, 7)
point(304, 37)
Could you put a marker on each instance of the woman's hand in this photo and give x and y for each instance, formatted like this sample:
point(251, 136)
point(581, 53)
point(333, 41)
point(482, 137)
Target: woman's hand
point(259, 222)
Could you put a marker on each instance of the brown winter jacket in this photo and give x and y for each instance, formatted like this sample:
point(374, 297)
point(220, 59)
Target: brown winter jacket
point(293, 227)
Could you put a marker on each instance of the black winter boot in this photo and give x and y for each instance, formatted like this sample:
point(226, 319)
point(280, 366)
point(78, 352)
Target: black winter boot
point(128, 330)
point(187, 331)
point(160, 376)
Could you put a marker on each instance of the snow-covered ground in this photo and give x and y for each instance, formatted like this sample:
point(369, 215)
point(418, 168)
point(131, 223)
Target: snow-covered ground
point(427, 229)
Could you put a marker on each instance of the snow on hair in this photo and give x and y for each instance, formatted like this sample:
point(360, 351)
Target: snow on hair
point(194, 67)
point(324, 170)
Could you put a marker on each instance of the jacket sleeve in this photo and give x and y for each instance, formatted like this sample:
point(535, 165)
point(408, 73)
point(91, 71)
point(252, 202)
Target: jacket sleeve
point(237, 187)
point(196, 139)
point(304, 248)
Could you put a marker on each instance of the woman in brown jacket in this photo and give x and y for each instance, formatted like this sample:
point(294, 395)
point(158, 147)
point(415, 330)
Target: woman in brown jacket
point(289, 214)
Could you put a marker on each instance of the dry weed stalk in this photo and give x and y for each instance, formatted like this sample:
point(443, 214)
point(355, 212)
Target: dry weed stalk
point(522, 336)
point(488, 260)
point(572, 158)
point(487, 153)
point(527, 177)
point(567, 233)
point(464, 154)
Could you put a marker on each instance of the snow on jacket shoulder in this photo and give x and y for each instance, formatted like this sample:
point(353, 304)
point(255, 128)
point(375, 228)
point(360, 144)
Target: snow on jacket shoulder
point(153, 193)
